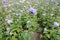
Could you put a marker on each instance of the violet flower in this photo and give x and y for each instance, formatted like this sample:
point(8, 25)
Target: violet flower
point(32, 10)
point(56, 24)
point(4, 2)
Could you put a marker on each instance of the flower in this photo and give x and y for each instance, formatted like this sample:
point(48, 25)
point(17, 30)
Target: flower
point(10, 5)
point(21, 11)
point(28, 21)
point(51, 14)
point(9, 21)
point(4, 2)
point(32, 10)
point(8, 29)
point(11, 33)
point(44, 14)
point(56, 24)
point(45, 29)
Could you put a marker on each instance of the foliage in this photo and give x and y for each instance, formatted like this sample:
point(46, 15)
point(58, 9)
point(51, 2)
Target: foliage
point(16, 23)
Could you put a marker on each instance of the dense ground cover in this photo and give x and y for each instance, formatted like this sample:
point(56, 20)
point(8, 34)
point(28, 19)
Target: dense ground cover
point(29, 20)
